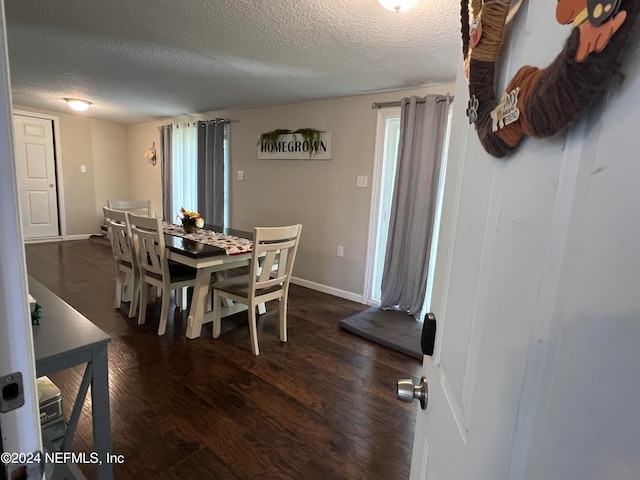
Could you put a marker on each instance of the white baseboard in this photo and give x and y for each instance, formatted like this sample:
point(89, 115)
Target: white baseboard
point(43, 240)
point(84, 236)
point(336, 292)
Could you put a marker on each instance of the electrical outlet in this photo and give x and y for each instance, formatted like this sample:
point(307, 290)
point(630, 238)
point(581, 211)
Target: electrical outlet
point(83, 169)
point(240, 174)
point(340, 251)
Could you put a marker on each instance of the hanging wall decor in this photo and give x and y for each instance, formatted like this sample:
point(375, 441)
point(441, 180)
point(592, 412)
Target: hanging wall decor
point(541, 102)
point(150, 154)
point(304, 143)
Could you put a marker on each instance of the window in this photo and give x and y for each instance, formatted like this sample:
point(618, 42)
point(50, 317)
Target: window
point(184, 171)
point(197, 181)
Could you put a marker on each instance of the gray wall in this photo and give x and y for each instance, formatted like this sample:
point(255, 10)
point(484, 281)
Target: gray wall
point(319, 194)
point(101, 147)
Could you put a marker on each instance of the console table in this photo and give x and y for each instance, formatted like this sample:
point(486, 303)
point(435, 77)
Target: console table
point(64, 339)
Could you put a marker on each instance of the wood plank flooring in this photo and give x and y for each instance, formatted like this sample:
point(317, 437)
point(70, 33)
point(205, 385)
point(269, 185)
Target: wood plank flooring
point(321, 406)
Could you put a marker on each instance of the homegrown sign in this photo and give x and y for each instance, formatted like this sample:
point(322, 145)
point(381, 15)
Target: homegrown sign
point(294, 147)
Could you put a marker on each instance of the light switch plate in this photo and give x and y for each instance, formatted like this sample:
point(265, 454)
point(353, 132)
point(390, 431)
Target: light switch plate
point(240, 174)
point(362, 181)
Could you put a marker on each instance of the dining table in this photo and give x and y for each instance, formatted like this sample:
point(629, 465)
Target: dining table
point(209, 260)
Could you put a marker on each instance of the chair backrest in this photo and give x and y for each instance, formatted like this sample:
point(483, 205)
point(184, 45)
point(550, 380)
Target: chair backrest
point(137, 207)
point(107, 222)
point(274, 251)
point(148, 241)
point(119, 235)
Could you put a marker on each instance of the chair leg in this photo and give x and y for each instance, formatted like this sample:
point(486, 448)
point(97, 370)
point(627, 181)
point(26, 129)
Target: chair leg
point(129, 287)
point(184, 298)
point(253, 330)
point(144, 290)
point(118, 297)
point(136, 296)
point(178, 297)
point(217, 320)
point(283, 317)
point(164, 310)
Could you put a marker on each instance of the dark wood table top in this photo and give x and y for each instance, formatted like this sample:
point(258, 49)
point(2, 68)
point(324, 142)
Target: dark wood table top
point(193, 249)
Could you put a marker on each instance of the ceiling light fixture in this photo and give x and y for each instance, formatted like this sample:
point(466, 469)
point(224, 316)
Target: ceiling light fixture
point(398, 5)
point(77, 105)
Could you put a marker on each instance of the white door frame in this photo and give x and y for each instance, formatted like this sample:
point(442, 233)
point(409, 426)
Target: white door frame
point(58, 162)
point(20, 426)
point(383, 115)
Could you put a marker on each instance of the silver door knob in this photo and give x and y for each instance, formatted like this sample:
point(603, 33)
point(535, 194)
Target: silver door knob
point(407, 391)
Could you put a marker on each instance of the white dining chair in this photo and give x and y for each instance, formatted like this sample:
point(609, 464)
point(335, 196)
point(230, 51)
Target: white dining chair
point(274, 251)
point(137, 207)
point(126, 265)
point(155, 268)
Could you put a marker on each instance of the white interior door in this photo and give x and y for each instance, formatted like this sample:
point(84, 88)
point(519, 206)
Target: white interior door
point(35, 168)
point(536, 296)
point(482, 329)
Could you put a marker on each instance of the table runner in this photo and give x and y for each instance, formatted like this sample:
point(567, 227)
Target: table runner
point(232, 245)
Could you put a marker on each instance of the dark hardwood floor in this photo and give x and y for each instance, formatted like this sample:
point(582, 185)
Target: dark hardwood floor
point(321, 406)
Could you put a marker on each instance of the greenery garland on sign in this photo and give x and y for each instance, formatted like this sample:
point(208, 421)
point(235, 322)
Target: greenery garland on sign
point(310, 135)
point(540, 102)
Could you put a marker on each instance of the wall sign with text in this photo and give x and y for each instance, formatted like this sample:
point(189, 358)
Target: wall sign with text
point(294, 147)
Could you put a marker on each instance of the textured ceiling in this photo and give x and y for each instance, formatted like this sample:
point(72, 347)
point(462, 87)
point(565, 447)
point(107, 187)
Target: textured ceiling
point(140, 60)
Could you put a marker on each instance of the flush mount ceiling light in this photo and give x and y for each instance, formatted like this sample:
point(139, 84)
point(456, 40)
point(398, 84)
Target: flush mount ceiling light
point(77, 105)
point(398, 5)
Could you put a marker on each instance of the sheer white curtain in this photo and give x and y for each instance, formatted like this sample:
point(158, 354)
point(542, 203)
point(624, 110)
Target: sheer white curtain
point(184, 168)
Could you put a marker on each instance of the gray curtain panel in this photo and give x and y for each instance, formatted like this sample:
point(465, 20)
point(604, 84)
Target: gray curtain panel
point(422, 128)
point(166, 163)
point(211, 171)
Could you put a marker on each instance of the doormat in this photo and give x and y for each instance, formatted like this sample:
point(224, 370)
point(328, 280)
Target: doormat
point(396, 330)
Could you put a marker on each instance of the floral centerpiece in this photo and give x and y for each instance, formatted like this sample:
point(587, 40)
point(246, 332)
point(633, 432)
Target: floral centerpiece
point(191, 221)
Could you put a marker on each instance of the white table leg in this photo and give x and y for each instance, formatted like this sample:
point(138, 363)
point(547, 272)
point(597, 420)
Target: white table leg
point(196, 312)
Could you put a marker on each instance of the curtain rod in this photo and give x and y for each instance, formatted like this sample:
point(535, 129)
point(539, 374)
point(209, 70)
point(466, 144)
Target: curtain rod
point(375, 105)
point(193, 123)
point(223, 120)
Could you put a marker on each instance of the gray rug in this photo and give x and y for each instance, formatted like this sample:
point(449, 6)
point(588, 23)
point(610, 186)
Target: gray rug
point(395, 330)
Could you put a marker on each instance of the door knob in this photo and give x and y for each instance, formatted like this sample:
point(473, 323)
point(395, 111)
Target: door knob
point(51, 185)
point(407, 391)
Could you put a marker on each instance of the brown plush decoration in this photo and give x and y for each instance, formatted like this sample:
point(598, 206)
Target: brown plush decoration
point(547, 99)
